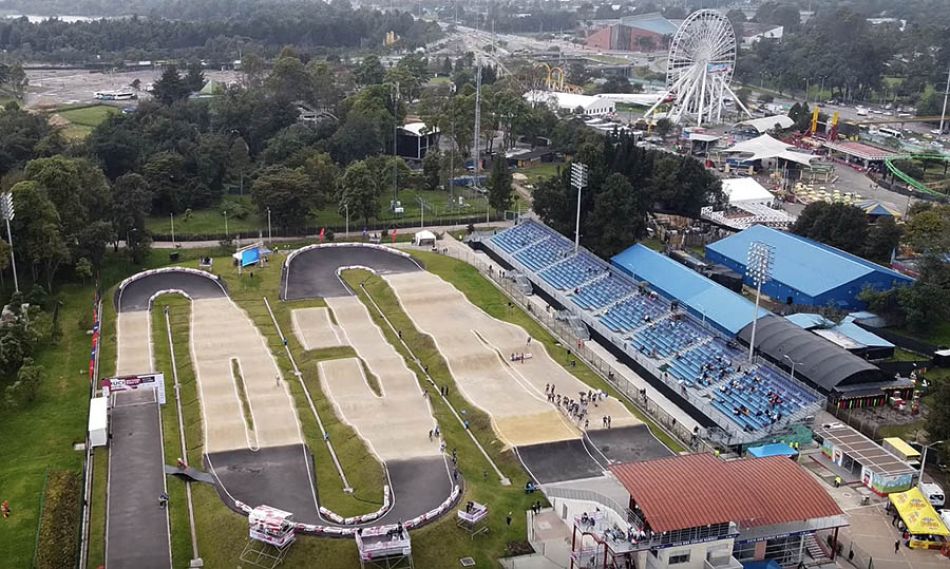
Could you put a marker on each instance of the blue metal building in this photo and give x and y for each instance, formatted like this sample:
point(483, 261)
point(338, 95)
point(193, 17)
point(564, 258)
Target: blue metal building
point(806, 272)
point(704, 298)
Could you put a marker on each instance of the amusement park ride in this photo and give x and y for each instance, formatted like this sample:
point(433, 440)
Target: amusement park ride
point(702, 60)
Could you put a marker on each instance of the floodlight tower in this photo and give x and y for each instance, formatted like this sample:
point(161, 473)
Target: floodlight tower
point(578, 180)
point(759, 268)
point(7, 212)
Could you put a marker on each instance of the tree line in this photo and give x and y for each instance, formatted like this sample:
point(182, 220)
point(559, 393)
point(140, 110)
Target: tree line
point(311, 27)
point(625, 183)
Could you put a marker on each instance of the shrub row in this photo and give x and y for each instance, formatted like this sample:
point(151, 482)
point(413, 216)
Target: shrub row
point(59, 526)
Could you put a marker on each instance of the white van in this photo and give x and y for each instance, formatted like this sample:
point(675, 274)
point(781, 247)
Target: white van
point(934, 493)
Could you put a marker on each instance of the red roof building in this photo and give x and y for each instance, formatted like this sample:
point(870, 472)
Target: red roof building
point(698, 511)
point(697, 490)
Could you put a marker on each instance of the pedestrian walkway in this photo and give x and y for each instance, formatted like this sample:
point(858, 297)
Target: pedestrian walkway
point(137, 531)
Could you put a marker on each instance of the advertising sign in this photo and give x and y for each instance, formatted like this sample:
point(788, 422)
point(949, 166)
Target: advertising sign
point(154, 381)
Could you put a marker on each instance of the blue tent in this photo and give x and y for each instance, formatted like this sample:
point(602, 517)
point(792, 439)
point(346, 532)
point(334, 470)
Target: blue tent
point(769, 564)
point(773, 449)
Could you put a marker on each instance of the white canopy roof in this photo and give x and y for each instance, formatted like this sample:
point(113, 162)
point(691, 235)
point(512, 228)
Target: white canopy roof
point(764, 147)
point(423, 236)
point(745, 190)
point(764, 124)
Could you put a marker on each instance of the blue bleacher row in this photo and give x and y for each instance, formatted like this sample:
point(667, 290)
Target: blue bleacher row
point(760, 397)
point(667, 337)
point(572, 272)
point(751, 398)
point(634, 312)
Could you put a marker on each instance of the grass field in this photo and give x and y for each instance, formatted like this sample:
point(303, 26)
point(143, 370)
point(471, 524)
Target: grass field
point(84, 119)
point(540, 173)
point(439, 210)
point(39, 437)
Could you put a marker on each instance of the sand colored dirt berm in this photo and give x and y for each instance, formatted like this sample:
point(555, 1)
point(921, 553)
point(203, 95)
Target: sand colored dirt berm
point(396, 423)
point(478, 348)
point(222, 333)
point(313, 328)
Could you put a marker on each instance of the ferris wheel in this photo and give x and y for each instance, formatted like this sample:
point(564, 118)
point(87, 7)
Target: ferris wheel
point(700, 65)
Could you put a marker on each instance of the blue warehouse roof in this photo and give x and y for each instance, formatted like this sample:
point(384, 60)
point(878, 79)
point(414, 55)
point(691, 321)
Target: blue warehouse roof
point(805, 265)
point(653, 22)
point(728, 310)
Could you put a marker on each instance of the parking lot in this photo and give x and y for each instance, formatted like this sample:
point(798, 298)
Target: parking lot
point(50, 89)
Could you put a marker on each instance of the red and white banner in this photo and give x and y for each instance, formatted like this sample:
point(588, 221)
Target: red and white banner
point(154, 381)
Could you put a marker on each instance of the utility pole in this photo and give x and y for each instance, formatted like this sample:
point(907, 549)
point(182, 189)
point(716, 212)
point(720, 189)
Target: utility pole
point(346, 207)
point(478, 116)
point(269, 240)
point(7, 211)
point(395, 131)
point(172, 217)
point(946, 93)
point(578, 180)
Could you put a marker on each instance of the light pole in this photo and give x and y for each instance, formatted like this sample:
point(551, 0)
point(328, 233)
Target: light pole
point(227, 234)
point(946, 93)
point(269, 240)
point(578, 180)
point(422, 212)
point(759, 268)
point(346, 208)
point(7, 211)
point(923, 460)
point(794, 363)
point(172, 217)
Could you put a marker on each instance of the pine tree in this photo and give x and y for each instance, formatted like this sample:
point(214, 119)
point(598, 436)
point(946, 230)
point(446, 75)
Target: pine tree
point(499, 184)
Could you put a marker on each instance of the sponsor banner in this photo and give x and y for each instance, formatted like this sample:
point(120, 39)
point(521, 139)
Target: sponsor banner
point(154, 381)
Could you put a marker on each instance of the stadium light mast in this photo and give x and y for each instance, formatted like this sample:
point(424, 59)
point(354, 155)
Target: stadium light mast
point(946, 93)
point(578, 180)
point(7, 211)
point(759, 268)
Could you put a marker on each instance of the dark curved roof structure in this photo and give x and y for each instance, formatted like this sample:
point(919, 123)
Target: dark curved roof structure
point(817, 360)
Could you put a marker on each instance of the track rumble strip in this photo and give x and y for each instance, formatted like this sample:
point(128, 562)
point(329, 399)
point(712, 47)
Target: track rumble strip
point(477, 348)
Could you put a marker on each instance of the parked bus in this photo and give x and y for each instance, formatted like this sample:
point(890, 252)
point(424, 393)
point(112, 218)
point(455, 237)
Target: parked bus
point(890, 132)
point(899, 447)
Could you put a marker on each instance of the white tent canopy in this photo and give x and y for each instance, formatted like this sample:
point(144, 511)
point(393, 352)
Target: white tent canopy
point(424, 238)
point(745, 190)
point(764, 147)
point(765, 124)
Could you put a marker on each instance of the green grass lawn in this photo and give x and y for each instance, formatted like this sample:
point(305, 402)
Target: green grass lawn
point(440, 209)
point(84, 119)
point(540, 173)
point(89, 116)
point(39, 437)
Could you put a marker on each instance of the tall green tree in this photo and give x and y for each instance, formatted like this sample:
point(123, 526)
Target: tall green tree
point(499, 184)
point(131, 204)
point(432, 170)
point(618, 218)
point(370, 71)
point(194, 80)
point(839, 225)
point(287, 193)
point(357, 192)
point(39, 241)
point(170, 87)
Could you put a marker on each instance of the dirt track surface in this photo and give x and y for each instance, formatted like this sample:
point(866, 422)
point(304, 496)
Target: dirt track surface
point(221, 332)
point(478, 347)
point(134, 334)
point(313, 328)
point(396, 424)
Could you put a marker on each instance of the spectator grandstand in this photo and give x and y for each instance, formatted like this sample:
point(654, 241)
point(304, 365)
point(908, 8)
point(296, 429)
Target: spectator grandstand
point(661, 331)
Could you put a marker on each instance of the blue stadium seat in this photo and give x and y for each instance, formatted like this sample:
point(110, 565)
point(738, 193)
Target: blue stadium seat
point(633, 312)
point(603, 292)
point(665, 338)
point(573, 271)
point(520, 236)
point(543, 253)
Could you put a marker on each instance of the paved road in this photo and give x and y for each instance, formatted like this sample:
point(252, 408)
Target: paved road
point(137, 534)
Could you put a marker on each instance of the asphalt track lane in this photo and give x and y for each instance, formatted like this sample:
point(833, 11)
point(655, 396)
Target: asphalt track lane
point(137, 294)
point(313, 273)
point(137, 534)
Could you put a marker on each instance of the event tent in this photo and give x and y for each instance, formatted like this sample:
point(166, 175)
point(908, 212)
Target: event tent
point(765, 147)
point(424, 238)
point(746, 190)
point(875, 208)
point(765, 124)
point(917, 512)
